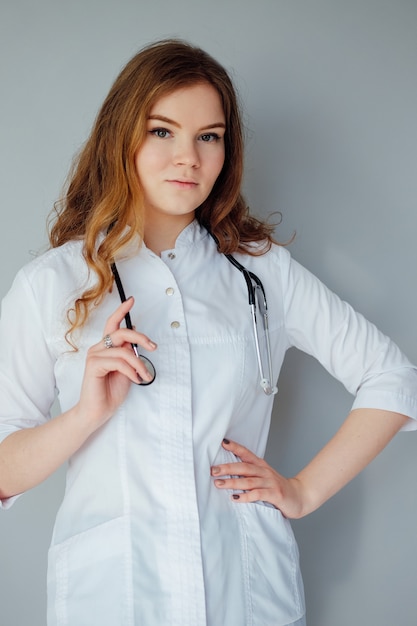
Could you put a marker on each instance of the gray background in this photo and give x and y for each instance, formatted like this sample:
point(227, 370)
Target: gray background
point(330, 108)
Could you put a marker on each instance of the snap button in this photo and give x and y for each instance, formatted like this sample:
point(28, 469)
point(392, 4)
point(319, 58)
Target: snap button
point(171, 255)
point(175, 324)
point(169, 291)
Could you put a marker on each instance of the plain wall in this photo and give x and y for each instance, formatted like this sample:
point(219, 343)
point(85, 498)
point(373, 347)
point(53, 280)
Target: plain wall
point(330, 100)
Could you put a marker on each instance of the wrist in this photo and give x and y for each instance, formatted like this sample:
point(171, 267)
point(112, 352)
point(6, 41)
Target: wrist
point(307, 497)
point(79, 422)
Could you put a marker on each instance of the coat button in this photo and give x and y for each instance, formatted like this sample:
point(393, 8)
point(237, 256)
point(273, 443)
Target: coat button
point(171, 255)
point(175, 324)
point(169, 291)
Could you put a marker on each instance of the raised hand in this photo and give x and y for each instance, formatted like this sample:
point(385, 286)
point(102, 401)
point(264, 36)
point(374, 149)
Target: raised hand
point(110, 372)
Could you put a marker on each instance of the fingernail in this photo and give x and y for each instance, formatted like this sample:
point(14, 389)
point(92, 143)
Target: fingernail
point(226, 441)
point(215, 470)
point(146, 377)
point(235, 496)
point(129, 298)
point(152, 344)
point(219, 482)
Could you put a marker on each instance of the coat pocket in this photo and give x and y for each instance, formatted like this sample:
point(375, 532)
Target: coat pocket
point(89, 578)
point(275, 592)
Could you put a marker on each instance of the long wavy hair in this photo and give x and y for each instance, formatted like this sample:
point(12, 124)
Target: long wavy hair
point(103, 194)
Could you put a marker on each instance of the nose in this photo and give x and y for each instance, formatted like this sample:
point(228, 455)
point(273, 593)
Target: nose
point(186, 153)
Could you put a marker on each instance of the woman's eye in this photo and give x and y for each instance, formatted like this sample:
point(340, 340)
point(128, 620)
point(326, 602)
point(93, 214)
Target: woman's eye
point(162, 133)
point(208, 137)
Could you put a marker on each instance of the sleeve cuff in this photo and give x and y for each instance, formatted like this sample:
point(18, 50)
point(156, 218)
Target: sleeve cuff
point(7, 503)
point(388, 401)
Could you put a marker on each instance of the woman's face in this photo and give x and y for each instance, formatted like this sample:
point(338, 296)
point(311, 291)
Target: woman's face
point(183, 152)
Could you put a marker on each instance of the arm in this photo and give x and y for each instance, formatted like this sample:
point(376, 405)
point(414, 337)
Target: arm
point(361, 437)
point(30, 455)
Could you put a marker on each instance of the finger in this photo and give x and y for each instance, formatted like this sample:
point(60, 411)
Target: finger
point(129, 366)
point(116, 318)
point(243, 484)
point(249, 490)
point(122, 336)
point(256, 495)
point(239, 469)
point(119, 359)
point(243, 453)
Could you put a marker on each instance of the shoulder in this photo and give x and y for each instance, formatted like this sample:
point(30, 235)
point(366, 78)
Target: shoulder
point(283, 275)
point(65, 264)
point(61, 259)
point(277, 259)
point(55, 275)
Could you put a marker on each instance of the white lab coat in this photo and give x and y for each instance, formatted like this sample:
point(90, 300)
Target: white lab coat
point(142, 536)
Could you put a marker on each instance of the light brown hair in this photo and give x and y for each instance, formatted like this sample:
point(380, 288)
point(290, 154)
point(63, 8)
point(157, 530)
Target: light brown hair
point(103, 188)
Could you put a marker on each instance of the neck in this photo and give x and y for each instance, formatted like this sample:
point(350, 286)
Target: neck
point(161, 231)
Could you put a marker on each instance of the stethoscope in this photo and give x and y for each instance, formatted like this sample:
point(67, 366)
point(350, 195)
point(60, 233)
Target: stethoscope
point(128, 321)
point(256, 298)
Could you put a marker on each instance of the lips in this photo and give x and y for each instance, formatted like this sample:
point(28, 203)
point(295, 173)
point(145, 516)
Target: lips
point(183, 183)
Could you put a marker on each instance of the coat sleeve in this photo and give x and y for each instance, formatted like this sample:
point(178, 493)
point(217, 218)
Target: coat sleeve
point(368, 363)
point(27, 382)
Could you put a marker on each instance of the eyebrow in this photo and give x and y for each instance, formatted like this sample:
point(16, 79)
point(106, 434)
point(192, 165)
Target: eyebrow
point(162, 118)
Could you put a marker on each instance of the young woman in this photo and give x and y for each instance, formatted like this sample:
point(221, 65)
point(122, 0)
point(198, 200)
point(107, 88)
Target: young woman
point(170, 513)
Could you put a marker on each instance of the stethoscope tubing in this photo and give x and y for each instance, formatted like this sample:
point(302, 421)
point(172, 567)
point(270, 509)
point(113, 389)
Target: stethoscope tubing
point(250, 279)
point(128, 322)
